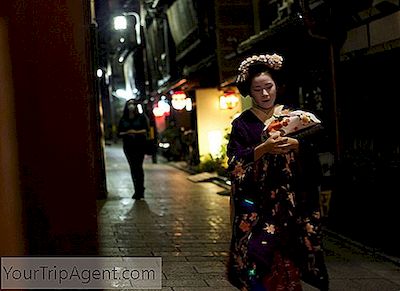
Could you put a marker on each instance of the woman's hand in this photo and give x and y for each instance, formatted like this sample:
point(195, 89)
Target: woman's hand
point(291, 144)
point(276, 144)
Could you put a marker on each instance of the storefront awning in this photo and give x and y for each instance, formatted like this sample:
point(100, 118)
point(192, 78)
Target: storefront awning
point(286, 25)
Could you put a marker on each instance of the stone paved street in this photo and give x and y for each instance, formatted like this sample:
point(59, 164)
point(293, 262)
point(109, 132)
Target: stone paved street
point(187, 224)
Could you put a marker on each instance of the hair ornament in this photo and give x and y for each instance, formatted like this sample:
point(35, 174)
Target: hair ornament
point(272, 61)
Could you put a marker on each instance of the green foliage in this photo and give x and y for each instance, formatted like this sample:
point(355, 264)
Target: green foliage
point(216, 164)
point(210, 164)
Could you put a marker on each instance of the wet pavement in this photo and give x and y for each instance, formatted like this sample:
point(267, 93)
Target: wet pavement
point(187, 224)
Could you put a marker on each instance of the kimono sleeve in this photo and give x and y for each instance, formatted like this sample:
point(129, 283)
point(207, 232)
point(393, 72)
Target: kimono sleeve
point(240, 148)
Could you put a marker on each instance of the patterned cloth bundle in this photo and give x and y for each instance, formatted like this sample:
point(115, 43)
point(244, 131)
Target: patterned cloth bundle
point(294, 123)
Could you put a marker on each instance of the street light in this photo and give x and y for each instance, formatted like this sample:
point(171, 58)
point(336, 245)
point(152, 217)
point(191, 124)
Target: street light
point(120, 23)
point(137, 25)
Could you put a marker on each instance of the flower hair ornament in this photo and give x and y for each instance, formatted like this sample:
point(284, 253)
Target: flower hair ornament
point(272, 61)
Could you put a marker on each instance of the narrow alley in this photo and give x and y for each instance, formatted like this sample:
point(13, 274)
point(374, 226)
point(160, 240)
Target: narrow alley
point(187, 224)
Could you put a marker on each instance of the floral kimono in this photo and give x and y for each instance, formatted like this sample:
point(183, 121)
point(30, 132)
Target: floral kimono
point(276, 232)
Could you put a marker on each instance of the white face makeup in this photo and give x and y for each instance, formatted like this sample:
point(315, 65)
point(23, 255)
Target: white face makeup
point(263, 91)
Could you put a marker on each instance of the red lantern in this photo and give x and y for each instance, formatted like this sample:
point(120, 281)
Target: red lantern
point(229, 100)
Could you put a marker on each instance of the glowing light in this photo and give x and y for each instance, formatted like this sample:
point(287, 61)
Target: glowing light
point(122, 93)
point(164, 106)
point(99, 73)
point(122, 40)
point(164, 145)
point(140, 108)
point(228, 101)
point(120, 23)
point(189, 104)
point(178, 100)
point(158, 112)
point(215, 142)
point(137, 25)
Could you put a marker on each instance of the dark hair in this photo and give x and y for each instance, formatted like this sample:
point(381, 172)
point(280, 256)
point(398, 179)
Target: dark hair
point(254, 71)
point(125, 114)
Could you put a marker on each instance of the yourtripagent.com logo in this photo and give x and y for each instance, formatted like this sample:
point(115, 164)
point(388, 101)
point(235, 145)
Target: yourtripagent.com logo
point(81, 273)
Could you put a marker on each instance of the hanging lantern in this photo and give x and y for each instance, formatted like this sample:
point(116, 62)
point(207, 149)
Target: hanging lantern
point(164, 106)
point(189, 104)
point(158, 112)
point(229, 100)
point(178, 100)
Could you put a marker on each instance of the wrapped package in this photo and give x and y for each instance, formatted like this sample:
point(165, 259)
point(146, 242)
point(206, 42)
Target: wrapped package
point(291, 123)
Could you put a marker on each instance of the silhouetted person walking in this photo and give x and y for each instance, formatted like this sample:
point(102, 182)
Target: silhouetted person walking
point(133, 128)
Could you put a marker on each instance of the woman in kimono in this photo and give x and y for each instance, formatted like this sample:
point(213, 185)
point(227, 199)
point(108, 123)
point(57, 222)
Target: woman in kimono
point(276, 233)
